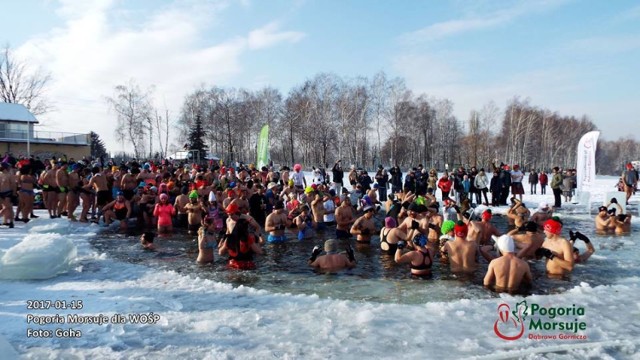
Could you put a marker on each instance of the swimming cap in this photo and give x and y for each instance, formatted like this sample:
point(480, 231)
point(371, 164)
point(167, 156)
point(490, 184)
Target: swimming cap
point(420, 240)
point(420, 200)
point(232, 185)
point(460, 229)
point(553, 226)
point(389, 222)
point(629, 166)
point(330, 246)
point(290, 182)
point(308, 190)
point(447, 226)
point(375, 185)
point(531, 226)
point(505, 244)
point(164, 197)
point(154, 189)
point(543, 206)
point(232, 209)
point(314, 186)
point(119, 193)
point(486, 215)
point(193, 194)
point(297, 167)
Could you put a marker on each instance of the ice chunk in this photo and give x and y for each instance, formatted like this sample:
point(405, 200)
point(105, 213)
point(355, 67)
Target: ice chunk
point(38, 256)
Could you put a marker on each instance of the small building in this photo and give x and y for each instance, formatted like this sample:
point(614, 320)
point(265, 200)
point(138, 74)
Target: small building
point(18, 136)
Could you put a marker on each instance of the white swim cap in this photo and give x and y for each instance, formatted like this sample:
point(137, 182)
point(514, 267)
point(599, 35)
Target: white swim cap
point(505, 243)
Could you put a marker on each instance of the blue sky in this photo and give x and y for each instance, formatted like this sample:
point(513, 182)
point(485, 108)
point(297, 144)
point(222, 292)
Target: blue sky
point(574, 57)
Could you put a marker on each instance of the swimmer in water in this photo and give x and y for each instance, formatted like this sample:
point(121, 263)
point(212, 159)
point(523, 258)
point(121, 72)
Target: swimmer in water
point(207, 242)
point(556, 249)
point(421, 258)
point(507, 272)
point(332, 261)
point(146, 240)
point(577, 256)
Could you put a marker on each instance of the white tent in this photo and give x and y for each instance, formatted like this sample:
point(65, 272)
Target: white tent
point(187, 155)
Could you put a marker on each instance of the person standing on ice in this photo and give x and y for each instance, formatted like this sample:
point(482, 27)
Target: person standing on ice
point(556, 187)
point(338, 175)
point(543, 179)
point(533, 181)
point(630, 178)
point(299, 181)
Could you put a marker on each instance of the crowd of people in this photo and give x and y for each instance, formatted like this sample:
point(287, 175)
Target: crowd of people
point(235, 210)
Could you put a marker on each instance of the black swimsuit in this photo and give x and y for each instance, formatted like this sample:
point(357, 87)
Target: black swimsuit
point(392, 247)
point(422, 265)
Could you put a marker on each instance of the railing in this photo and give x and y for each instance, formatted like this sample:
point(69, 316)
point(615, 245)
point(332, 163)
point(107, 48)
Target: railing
point(45, 137)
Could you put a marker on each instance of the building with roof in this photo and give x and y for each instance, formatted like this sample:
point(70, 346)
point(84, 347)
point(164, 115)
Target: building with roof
point(18, 136)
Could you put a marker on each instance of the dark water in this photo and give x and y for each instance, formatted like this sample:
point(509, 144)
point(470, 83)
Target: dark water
point(283, 268)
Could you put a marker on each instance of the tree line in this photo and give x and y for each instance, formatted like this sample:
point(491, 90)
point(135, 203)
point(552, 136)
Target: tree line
point(364, 121)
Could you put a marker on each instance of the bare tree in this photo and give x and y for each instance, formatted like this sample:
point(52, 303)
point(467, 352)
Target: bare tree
point(21, 85)
point(133, 109)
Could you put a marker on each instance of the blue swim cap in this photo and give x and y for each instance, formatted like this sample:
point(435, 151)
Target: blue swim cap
point(119, 193)
point(420, 240)
point(232, 185)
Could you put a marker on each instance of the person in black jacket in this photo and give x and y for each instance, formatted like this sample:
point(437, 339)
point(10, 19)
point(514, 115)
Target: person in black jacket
point(396, 179)
point(382, 177)
point(338, 174)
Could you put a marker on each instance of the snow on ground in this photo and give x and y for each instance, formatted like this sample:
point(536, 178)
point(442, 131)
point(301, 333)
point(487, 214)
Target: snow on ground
point(188, 317)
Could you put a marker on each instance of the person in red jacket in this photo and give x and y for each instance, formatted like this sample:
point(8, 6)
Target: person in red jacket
point(445, 184)
point(543, 179)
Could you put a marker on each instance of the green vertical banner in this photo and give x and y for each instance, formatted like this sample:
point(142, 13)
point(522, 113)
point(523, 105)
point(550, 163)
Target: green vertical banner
point(263, 147)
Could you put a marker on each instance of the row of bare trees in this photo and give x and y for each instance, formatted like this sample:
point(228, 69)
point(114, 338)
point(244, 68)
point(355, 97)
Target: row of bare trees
point(365, 122)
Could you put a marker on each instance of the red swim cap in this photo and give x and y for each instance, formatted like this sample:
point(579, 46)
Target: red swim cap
point(460, 230)
point(553, 226)
point(232, 209)
point(629, 166)
point(486, 215)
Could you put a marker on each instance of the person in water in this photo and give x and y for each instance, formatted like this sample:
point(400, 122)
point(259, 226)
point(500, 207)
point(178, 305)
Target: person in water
point(164, 211)
point(462, 254)
point(146, 240)
point(276, 223)
point(577, 256)
point(508, 272)
point(390, 235)
point(332, 261)
point(364, 227)
point(241, 246)
point(421, 258)
point(118, 209)
point(556, 249)
point(207, 242)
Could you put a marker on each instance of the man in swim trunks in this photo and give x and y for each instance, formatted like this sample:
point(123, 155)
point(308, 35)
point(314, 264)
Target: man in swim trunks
point(276, 223)
point(73, 192)
point(332, 261)
point(99, 183)
point(507, 272)
point(364, 227)
point(62, 182)
point(50, 190)
point(556, 249)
